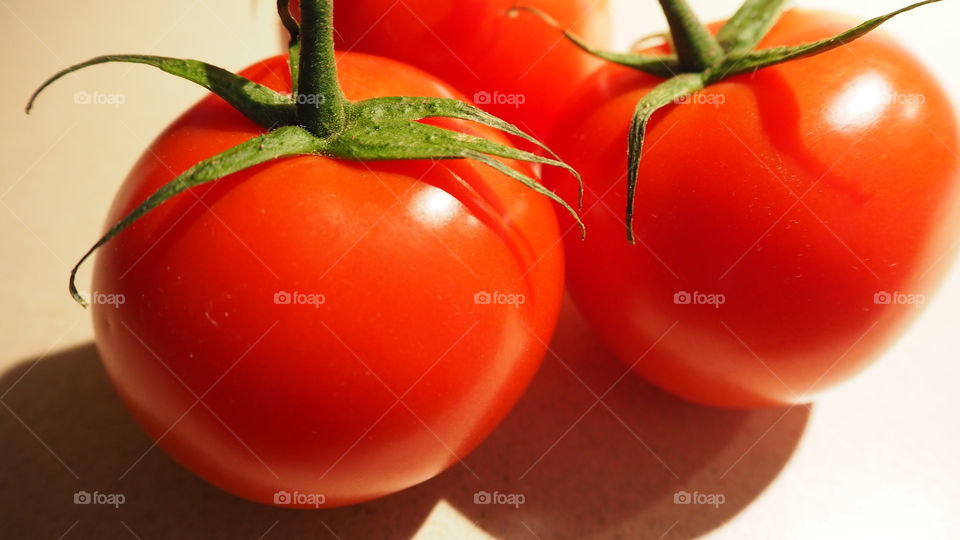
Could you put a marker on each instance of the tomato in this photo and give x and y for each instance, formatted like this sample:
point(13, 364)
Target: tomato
point(515, 67)
point(314, 330)
point(789, 222)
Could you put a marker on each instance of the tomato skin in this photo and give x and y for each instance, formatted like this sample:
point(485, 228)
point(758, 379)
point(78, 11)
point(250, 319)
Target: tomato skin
point(302, 397)
point(716, 214)
point(476, 47)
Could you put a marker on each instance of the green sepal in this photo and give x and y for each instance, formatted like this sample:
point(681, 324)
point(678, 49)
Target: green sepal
point(749, 24)
point(386, 129)
point(664, 66)
point(293, 46)
point(257, 102)
point(746, 62)
point(398, 108)
point(662, 95)
point(282, 142)
point(419, 108)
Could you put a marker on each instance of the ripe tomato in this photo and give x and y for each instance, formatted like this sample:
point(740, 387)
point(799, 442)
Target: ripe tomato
point(514, 67)
point(316, 326)
point(788, 221)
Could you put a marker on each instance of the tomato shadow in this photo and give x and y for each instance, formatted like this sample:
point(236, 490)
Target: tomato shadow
point(64, 430)
point(581, 468)
point(613, 468)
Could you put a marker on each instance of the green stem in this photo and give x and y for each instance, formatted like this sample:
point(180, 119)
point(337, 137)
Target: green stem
point(749, 25)
point(321, 106)
point(696, 48)
point(293, 47)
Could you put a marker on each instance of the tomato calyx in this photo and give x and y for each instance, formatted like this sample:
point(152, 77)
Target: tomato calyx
point(319, 120)
point(701, 59)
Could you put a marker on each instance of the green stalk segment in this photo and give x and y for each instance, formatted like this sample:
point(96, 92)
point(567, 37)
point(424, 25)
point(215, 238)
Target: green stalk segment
point(696, 48)
point(320, 102)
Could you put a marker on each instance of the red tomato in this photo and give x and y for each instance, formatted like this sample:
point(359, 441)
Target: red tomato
point(351, 328)
point(776, 213)
point(517, 68)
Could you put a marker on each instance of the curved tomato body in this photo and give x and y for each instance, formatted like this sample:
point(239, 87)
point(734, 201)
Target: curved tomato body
point(516, 67)
point(789, 222)
point(320, 331)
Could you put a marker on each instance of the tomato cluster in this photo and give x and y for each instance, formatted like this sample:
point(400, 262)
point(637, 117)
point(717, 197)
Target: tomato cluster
point(338, 308)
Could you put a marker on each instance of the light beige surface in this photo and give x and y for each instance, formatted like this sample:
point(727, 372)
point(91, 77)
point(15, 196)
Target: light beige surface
point(876, 459)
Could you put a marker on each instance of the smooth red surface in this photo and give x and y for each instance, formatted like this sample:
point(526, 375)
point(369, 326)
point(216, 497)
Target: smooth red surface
point(304, 398)
point(477, 48)
point(717, 211)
